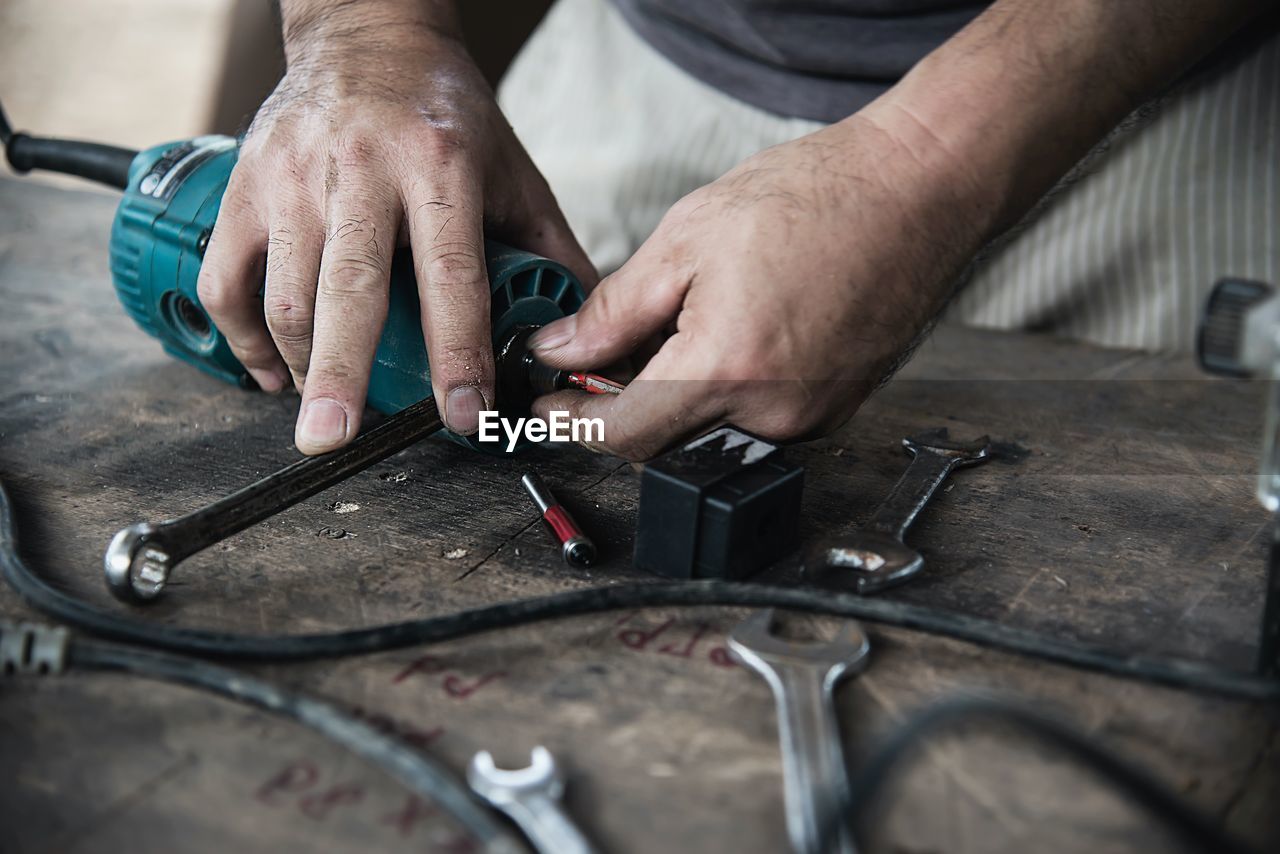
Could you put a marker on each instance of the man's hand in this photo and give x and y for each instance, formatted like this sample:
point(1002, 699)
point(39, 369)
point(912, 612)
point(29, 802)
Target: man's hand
point(793, 283)
point(796, 280)
point(381, 132)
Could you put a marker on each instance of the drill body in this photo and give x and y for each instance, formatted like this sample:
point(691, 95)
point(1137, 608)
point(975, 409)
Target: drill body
point(162, 227)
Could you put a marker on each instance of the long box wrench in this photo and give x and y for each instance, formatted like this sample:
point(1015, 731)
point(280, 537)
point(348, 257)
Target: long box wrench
point(803, 677)
point(141, 557)
point(875, 556)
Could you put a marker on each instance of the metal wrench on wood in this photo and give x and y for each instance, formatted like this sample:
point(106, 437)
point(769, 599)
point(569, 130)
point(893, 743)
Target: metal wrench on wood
point(141, 557)
point(875, 556)
point(803, 677)
point(531, 797)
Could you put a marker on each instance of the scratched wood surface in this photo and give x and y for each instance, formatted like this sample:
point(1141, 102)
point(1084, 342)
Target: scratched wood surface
point(1121, 512)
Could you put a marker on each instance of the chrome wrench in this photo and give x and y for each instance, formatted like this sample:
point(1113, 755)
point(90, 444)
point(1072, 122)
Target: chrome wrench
point(803, 677)
point(875, 556)
point(531, 797)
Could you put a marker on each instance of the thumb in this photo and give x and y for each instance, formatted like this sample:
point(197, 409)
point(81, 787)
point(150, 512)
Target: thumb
point(622, 312)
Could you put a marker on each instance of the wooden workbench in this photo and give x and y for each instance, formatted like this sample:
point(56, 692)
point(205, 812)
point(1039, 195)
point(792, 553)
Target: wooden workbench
point(1121, 512)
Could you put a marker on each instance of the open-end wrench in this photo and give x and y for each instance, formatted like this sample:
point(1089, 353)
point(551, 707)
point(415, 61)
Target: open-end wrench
point(531, 798)
point(803, 677)
point(875, 557)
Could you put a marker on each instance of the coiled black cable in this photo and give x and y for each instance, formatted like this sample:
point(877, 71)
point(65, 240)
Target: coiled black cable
point(867, 786)
point(217, 644)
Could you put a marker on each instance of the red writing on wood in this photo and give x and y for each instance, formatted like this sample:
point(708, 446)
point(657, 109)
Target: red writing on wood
point(679, 639)
point(453, 684)
point(301, 785)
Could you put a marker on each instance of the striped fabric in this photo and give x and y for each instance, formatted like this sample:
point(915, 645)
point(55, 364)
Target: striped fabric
point(1121, 254)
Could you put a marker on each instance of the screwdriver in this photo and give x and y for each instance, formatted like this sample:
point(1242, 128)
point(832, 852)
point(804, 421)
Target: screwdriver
point(575, 547)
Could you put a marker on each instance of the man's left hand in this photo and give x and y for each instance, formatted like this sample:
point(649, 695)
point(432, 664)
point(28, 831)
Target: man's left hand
point(789, 287)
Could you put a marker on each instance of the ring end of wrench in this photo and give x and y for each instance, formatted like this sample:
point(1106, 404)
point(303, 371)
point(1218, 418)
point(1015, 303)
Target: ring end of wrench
point(939, 441)
point(863, 563)
point(136, 566)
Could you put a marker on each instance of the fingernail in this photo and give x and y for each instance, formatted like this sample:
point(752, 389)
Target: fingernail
point(462, 409)
point(555, 334)
point(323, 425)
point(271, 381)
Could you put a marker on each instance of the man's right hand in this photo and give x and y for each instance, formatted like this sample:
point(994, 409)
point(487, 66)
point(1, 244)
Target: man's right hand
point(381, 132)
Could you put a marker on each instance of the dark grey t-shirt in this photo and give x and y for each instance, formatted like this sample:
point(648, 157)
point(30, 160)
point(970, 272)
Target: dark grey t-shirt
point(812, 59)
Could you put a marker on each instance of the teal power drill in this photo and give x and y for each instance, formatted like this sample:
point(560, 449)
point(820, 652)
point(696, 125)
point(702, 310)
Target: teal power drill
point(171, 196)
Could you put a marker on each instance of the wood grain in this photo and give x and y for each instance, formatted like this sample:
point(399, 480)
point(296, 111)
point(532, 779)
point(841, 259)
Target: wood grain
point(1122, 513)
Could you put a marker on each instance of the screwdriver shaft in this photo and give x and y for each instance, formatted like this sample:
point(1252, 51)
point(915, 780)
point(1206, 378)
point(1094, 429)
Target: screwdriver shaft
point(576, 548)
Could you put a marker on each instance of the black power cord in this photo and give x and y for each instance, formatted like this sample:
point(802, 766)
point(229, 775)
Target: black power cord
point(867, 786)
point(106, 164)
point(46, 650)
point(216, 644)
point(32, 649)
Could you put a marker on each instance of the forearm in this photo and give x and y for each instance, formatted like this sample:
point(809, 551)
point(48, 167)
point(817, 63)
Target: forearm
point(311, 25)
point(1014, 100)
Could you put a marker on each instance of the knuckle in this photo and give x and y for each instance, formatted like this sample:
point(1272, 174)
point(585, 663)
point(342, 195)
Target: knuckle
point(353, 276)
point(457, 262)
point(215, 296)
point(444, 141)
point(788, 417)
point(355, 151)
point(240, 183)
point(683, 207)
point(289, 320)
point(253, 350)
point(606, 305)
point(331, 371)
point(686, 208)
point(294, 159)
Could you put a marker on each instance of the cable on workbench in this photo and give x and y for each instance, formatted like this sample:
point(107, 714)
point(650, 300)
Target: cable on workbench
point(46, 649)
point(867, 786)
point(106, 164)
point(988, 633)
point(391, 754)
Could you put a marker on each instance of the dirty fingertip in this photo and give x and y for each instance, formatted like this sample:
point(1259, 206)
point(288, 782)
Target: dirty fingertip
point(462, 409)
point(322, 426)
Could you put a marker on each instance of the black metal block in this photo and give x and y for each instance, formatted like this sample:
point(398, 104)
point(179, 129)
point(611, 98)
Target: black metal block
point(725, 505)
